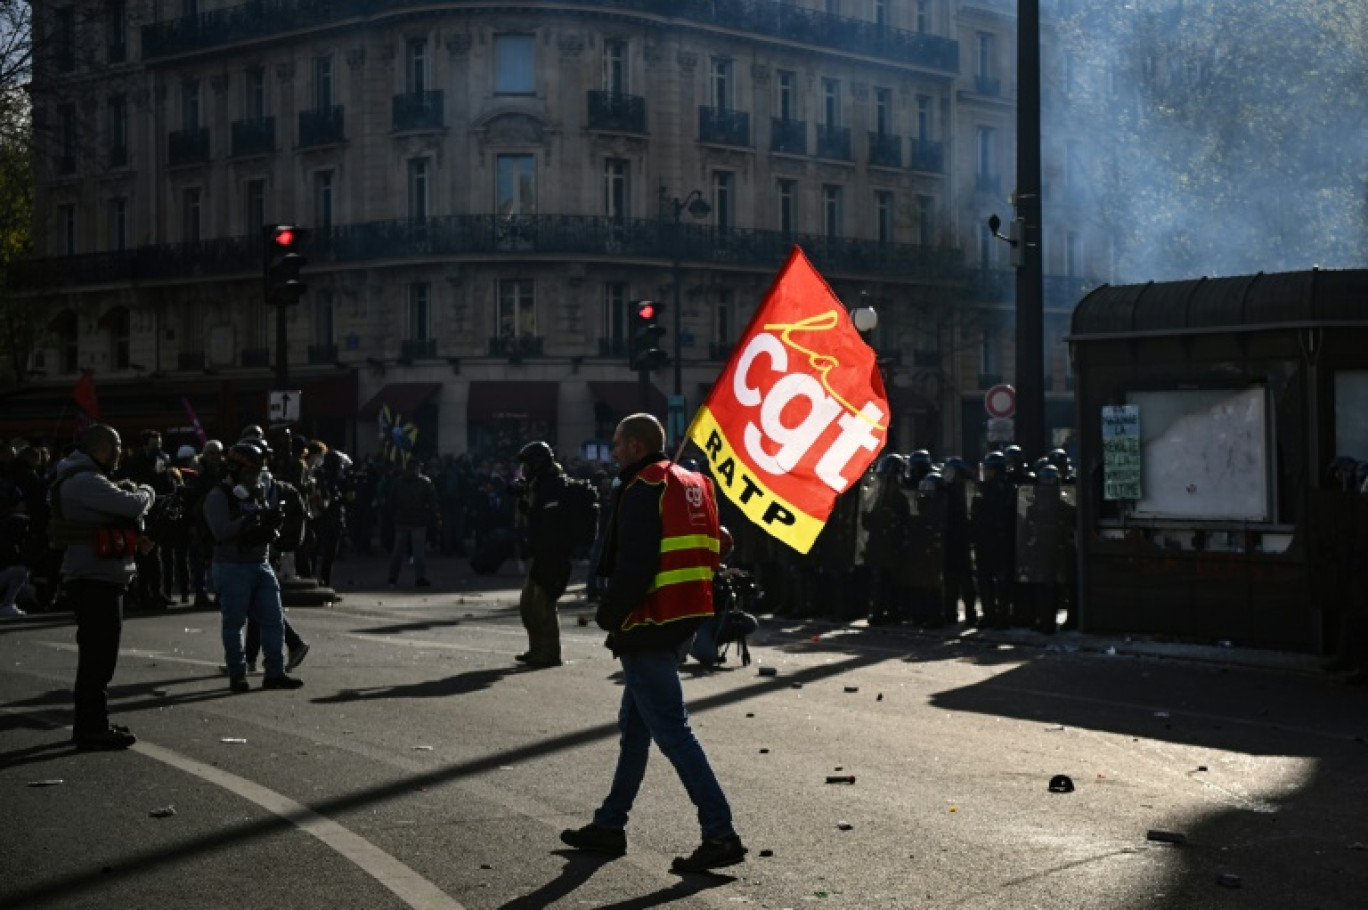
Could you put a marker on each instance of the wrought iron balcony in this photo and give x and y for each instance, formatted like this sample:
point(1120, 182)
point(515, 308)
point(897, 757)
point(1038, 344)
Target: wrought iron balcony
point(256, 357)
point(321, 126)
point(118, 156)
point(885, 150)
point(411, 349)
point(187, 361)
point(788, 136)
point(477, 236)
point(254, 137)
point(260, 20)
point(515, 347)
point(188, 146)
point(927, 156)
point(723, 126)
point(322, 353)
point(418, 111)
point(833, 142)
point(617, 112)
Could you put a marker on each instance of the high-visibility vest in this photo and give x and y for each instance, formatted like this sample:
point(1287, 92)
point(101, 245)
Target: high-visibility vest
point(688, 547)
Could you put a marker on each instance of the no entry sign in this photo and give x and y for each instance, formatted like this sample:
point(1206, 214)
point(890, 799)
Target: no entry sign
point(1000, 401)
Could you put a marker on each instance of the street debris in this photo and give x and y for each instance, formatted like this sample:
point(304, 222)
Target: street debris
point(1061, 783)
point(840, 778)
point(880, 698)
point(422, 748)
point(764, 751)
point(796, 685)
point(769, 671)
point(1201, 767)
point(239, 740)
point(1161, 714)
point(1057, 728)
point(767, 852)
point(1166, 837)
point(49, 782)
point(852, 688)
point(1229, 880)
point(844, 826)
point(163, 812)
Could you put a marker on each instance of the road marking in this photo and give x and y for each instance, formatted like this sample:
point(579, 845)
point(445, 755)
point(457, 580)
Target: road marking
point(402, 881)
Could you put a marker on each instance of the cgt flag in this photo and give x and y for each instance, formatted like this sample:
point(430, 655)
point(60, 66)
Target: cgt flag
point(799, 411)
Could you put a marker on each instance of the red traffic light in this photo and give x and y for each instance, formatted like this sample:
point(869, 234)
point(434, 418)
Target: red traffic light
point(284, 236)
point(647, 311)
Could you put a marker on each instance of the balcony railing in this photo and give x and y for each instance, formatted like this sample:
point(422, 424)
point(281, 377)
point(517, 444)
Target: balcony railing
point(723, 126)
point(254, 137)
point(833, 142)
point(256, 357)
point(477, 236)
point(187, 361)
point(321, 126)
point(987, 85)
point(188, 146)
point(417, 111)
point(515, 347)
point(885, 150)
point(411, 349)
point(927, 156)
point(616, 112)
point(322, 353)
point(788, 136)
point(263, 19)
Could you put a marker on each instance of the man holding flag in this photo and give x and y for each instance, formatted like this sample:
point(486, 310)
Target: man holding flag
point(799, 411)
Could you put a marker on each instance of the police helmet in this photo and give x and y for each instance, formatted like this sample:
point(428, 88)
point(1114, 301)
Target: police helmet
point(535, 455)
point(995, 460)
point(920, 456)
point(335, 462)
point(891, 465)
point(954, 469)
point(1059, 458)
point(1047, 475)
point(931, 483)
point(1014, 456)
point(245, 456)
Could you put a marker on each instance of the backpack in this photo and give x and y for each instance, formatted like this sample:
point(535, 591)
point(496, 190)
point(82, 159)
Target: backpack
point(580, 512)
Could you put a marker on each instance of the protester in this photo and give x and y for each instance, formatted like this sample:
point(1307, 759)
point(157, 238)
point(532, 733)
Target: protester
point(413, 506)
point(660, 558)
point(542, 504)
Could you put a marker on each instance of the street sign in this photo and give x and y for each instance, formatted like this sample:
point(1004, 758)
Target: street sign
point(284, 406)
point(1000, 401)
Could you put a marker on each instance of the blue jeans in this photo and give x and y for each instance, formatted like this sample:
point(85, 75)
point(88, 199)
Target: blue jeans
point(250, 588)
point(653, 708)
point(409, 540)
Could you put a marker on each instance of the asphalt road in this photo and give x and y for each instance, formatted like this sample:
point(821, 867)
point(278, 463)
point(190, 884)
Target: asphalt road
point(420, 767)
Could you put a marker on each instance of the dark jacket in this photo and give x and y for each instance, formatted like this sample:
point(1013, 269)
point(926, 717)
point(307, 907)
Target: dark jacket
point(631, 556)
point(413, 500)
point(548, 532)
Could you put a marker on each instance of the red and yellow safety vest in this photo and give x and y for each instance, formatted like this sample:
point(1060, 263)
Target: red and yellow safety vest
point(688, 547)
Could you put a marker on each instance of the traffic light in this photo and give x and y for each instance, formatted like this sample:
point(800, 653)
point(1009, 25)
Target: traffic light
point(644, 352)
point(283, 260)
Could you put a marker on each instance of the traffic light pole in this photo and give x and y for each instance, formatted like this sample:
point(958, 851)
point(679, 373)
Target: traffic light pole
point(282, 364)
point(1030, 281)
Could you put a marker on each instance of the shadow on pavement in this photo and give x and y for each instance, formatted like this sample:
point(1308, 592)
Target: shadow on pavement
point(460, 684)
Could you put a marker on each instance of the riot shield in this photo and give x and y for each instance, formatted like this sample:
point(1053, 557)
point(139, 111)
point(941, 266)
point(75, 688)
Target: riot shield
point(866, 519)
point(1041, 534)
point(922, 543)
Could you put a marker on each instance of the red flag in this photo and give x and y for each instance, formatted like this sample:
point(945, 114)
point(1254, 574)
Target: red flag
point(84, 394)
point(799, 411)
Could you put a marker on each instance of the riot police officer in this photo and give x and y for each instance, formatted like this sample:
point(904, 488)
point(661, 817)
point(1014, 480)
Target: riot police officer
point(993, 521)
point(959, 560)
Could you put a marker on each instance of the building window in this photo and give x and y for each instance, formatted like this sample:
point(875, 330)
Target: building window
point(925, 123)
point(254, 94)
point(255, 209)
point(417, 189)
point(926, 220)
point(323, 82)
point(419, 326)
point(883, 215)
point(985, 45)
point(1073, 168)
point(514, 65)
point(788, 95)
point(722, 202)
point(831, 211)
point(831, 102)
point(66, 225)
point(118, 223)
point(615, 67)
point(416, 66)
point(323, 318)
point(323, 200)
point(615, 184)
point(515, 185)
point(787, 191)
point(724, 319)
point(883, 111)
point(118, 122)
point(615, 316)
point(880, 12)
point(190, 104)
point(516, 314)
point(985, 165)
point(923, 16)
point(1071, 254)
point(720, 88)
point(191, 215)
point(116, 24)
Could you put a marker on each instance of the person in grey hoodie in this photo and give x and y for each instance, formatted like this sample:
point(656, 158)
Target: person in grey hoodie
point(99, 522)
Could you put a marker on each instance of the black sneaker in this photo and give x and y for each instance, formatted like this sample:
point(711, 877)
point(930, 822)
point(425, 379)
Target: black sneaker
point(109, 740)
point(712, 854)
point(282, 682)
point(297, 655)
point(239, 684)
point(595, 839)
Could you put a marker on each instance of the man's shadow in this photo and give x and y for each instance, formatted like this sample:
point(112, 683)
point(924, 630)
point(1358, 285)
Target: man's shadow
point(460, 684)
point(580, 867)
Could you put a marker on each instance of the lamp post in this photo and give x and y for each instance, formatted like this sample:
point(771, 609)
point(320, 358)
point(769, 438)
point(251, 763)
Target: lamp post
point(698, 207)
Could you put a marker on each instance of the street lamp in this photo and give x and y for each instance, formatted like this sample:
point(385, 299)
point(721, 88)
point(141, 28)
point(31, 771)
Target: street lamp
point(698, 207)
point(865, 317)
